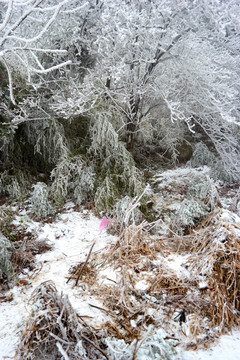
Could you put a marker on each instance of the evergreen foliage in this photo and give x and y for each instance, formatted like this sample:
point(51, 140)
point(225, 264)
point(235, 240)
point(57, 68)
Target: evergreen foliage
point(15, 185)
point(6, 144)
point(106, 195)
point(190, 211)
point(118, 173)
point(72, 178)
point(39, 201)
point(6, 250)
point(48, 138)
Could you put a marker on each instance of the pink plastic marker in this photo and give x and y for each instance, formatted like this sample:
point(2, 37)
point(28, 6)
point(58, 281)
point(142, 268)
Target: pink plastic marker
point(105, 223)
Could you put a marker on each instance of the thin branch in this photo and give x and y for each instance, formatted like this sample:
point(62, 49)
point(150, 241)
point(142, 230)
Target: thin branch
point(22, 18)
point(52, 51)
point(9, 81)
point(45, 71)
point(97, 347)
point(62, 351)
point(8, 15)
point(85, 263)
point(41, 33)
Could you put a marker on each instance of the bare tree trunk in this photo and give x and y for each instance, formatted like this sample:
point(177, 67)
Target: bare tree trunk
point(133, 122)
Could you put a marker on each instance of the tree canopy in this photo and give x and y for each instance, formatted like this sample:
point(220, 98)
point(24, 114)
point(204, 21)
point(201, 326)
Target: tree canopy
point(146, 75)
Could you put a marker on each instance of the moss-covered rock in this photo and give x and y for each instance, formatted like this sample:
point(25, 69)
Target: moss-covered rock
point(185, 151)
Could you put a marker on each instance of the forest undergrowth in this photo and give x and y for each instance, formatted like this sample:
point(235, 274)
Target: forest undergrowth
point(137, 125)
point(171, 290)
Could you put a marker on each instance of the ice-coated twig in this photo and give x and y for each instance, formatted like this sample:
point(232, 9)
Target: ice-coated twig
point(60, 348)
point(94, 345)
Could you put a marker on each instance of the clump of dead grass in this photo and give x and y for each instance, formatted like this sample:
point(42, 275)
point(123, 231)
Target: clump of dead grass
point(122, 303)
point(217, 258)
point(213, 258)
point(134, 245)
point(55, 331)
point(25, 252)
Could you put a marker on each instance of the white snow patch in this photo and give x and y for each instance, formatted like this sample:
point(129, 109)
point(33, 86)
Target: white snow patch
point(180, 173)
point(228, 348)
point(178, 263)
point(202, 285)
point(72, 235)
point(232, 219)
point(141, 285)
point(108, 276)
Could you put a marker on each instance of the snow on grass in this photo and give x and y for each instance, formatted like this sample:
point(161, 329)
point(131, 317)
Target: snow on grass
point(71, 236)
point(228, 348)
point(177, 263)
point(179, 175)
point(229, 217)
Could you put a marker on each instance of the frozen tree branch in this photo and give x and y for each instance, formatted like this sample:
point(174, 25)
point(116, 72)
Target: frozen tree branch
point(7, 15)
point(10, 81)
point(45, 71)
point(16, 29)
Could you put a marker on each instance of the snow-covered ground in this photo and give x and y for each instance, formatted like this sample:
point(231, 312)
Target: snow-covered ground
point(227, 348)
point(71, 236)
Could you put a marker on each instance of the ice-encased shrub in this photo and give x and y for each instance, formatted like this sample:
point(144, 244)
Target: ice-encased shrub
point(41, 206)
point(106, 195)
point(202, 156)
point(119, 175)
point(219, 169)
point(72, 178)
point(190, 211)
point(153, 347)
point(202, 188)
point(9, 185)
point(6, 250)
point(6, 139)
point(14, 185)
point(48, 139)
point(122, 206)
point(202, 197)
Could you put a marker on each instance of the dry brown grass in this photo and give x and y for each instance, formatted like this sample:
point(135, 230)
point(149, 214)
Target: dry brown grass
point(214, 256)
point(25, 252)
point(54, 330)
point(220, 263)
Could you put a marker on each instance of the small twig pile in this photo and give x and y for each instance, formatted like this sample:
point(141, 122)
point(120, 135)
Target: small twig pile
point(55, 331)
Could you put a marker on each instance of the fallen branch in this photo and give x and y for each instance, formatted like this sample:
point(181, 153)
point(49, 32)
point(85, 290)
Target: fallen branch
point(79, 271)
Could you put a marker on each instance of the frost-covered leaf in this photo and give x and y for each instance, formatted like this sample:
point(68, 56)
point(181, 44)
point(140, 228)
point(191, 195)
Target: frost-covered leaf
point(6, 250)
